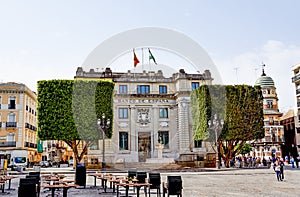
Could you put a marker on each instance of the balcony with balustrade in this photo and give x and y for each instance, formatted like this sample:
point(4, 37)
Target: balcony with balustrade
point(30, 145)
point(11, 124)
point(8, 144)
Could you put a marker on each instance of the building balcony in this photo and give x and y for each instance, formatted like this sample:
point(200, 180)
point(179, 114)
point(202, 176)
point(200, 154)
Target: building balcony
point(29, 126)
point(11, 124)
point(30, 145)
point(298, 104)
point(8, 144)
point(296, 78)
point(297, 91)
point(269, 139)
point(11, 106)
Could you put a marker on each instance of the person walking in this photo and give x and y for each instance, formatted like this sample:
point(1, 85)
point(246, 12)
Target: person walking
point(281, 163)
point(292, 161)
point(277, 170)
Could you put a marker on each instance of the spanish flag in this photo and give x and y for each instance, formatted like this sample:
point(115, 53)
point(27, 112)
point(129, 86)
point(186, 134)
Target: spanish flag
point(135, 59)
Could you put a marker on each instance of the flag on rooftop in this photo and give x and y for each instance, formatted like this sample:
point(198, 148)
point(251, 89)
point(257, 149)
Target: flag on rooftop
point(135, 59)
point(151, 56)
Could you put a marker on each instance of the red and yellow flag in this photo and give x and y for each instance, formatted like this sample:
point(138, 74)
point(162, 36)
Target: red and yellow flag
point(135, 59)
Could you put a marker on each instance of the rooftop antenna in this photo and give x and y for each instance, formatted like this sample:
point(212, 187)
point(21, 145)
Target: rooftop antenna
point(236, 73)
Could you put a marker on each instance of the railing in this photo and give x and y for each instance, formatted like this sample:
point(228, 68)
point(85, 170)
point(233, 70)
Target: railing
point(30, 145)
point(296, 78)
point(11, 124)
point(8, 144)
point(29, 126)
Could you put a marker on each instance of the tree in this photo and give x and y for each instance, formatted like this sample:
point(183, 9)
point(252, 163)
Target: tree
point(241, 109)
point(68, 111)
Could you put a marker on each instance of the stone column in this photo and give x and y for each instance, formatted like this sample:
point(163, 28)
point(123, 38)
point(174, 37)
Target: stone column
point(183, 126)
point(133, 133)
point(155, 122)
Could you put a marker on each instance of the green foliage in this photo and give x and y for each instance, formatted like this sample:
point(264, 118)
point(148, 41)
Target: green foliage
point(206, 101)
point(245, 149)
point(68, 109)
point(199, 105)
point(239, 106)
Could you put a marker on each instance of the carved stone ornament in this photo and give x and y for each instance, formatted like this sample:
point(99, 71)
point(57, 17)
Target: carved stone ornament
point(123, 124)
point(143, 115)
point(163, 124)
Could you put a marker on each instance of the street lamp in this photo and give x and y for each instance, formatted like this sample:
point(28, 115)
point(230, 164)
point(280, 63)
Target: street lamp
point(216, 125)
point(103, 127)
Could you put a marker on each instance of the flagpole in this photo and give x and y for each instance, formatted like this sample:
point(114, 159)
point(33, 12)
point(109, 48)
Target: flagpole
point(149, 59)
point(134, 66)
point(142, 59)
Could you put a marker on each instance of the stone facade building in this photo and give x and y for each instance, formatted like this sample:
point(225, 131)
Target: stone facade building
point(152, 116)
point(296, 81)
point(271, 144)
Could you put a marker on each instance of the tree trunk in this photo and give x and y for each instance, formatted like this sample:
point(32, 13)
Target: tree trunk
point(74, 146)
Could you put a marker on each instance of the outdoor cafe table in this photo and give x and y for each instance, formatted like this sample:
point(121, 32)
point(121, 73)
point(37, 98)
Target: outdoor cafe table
point(95, 177)
point(137, 185)
point(9, 178)
point(117, 179)
point(65, 188)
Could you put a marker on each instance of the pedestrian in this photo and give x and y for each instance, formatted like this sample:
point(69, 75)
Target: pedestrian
point(292, 162)
point(287, 159)
point(277, 170)
point(281, 163)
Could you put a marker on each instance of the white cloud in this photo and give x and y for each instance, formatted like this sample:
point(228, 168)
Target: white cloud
point(278, 57)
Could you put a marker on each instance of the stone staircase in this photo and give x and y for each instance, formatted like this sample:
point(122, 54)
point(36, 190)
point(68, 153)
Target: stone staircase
point(143, 166)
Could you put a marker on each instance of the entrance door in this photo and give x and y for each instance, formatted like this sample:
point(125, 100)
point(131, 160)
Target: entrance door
point(144, 146)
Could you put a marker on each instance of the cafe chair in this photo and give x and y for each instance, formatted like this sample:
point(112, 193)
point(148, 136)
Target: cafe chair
point(155, 181)
point(131, 173)
point(141, 177)
point(173, 186)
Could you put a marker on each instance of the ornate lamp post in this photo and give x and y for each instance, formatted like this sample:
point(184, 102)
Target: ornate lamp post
point(216, 125)
point(103, 127)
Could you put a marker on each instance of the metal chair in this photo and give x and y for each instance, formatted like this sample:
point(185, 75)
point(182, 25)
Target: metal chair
point(155, 181)
point(173, 186)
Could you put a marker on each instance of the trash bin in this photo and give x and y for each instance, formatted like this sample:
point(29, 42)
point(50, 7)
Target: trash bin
point(80, 174)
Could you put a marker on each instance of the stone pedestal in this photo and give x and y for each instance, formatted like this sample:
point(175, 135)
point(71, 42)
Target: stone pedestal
point(159, 147)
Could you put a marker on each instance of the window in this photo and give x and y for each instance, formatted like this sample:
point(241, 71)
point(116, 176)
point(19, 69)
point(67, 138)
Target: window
point(12, 103)
point(195, 85)
point(123, 89)
point(123, 141)
point(269, 103)
point(94, 145)
point(162, 89)
point(143, 89)
point(0, 102)
point(123, 113)
point(198, 143)
point(163, 138)
point(163, 113)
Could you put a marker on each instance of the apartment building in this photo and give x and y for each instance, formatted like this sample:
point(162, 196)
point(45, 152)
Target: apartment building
point(18, 141)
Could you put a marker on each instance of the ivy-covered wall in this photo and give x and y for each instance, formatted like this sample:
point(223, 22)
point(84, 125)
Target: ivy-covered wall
point(68, 109)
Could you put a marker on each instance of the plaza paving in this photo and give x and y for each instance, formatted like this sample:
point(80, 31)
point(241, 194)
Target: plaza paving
point(225, 182)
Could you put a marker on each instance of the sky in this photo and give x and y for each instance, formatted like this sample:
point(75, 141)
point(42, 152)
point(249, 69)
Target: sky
point(42, 40)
